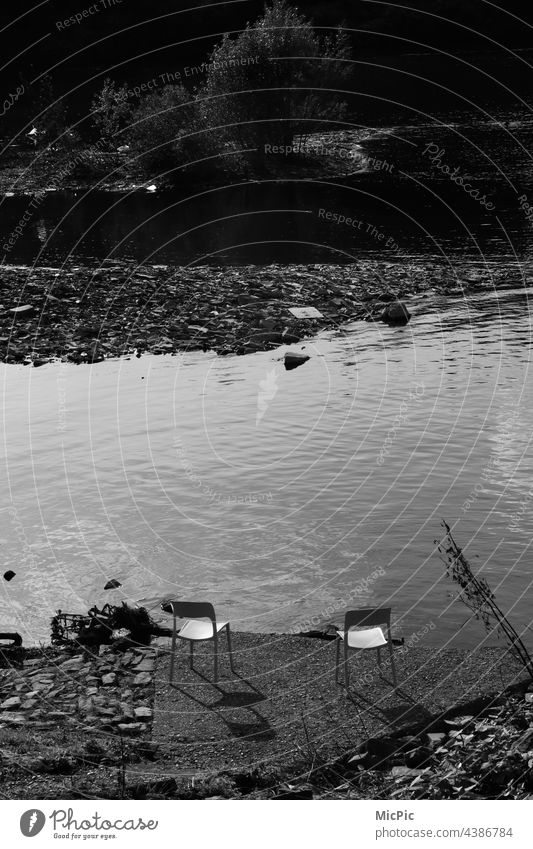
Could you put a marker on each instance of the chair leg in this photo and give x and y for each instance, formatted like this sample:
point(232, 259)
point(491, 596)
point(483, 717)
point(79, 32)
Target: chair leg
point(191, 644)
point(216, 659)
point(393, 667)
point(230, 649)
point(172, 652)
point(346, 669)
point(337, 660)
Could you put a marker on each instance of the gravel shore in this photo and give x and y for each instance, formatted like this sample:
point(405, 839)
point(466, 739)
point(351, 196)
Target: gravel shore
point(86, 314)
point(109, 724)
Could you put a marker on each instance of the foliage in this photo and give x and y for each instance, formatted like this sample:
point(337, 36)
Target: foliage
point(275, 81)
point(476, 594)
point(165, 132)
point(111, 110)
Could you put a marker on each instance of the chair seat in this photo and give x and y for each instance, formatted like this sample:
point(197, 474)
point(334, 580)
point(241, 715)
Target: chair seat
point(369, 638)
point(198, 629)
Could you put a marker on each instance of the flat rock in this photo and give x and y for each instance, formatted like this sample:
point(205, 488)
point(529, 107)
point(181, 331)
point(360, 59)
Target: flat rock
point(131, 727)
point(143, 713)
point(14, 718)
point(435, 738)
point(142, 679)
point(72, 663)
point(145, 665)
point(26, 309)
point(11, 704)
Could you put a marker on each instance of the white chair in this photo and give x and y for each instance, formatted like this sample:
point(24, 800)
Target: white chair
point(196, 629)
point(366, 638)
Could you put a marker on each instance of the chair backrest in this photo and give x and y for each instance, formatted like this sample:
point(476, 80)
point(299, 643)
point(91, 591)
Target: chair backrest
point(193, 610)
point(368, 616)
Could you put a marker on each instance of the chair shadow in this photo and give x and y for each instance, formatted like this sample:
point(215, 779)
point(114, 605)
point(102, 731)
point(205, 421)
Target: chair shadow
point(408, 710)
point(256, 729)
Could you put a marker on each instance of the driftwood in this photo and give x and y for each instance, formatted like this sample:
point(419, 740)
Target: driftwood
point(97, 627)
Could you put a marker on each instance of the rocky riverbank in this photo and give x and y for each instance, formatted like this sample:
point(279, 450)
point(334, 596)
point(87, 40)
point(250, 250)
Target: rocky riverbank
point(70, 719)
point(86, 314)
point(107, 724)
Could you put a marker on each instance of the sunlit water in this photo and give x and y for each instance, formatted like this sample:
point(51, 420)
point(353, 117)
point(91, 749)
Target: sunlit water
point(275, 494)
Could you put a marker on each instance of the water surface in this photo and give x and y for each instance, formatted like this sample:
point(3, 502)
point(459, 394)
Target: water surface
point(274, 493)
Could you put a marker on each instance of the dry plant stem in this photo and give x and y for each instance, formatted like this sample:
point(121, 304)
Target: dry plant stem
point(476, 594)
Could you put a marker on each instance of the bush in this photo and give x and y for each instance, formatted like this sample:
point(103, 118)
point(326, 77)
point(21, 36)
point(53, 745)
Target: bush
point(165, 132)
point(111, 112)
point(273, 82)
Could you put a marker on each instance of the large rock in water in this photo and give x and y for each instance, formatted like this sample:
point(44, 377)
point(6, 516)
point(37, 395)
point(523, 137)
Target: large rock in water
point(293, 360)
point(396, 313)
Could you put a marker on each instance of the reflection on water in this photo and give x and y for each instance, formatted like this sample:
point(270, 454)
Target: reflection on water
point(161, 473)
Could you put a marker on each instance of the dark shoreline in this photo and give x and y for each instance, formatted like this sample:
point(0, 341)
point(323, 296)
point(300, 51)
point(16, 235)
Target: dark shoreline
point(88, 314)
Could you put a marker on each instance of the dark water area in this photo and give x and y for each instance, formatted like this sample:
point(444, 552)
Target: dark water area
point(405, 201)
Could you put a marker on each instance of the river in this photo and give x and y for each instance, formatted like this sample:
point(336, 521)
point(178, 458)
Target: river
point(279, 495)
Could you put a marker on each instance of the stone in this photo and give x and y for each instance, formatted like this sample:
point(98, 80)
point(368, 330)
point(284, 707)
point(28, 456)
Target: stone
point(404, 771)
point(146, 665)
point(293, 360)
point(105, 711)
point(130, 727)
point(435, 738)
point(396, 313)
point(14, 718)
point(23, 311)
point(127, 710)
point(73, 663)
point(143, 713)
point(142, 679)
point(11, 704)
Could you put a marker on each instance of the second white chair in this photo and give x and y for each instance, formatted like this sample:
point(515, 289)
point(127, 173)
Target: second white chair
point(366, 638)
